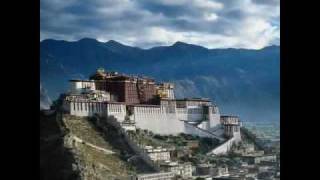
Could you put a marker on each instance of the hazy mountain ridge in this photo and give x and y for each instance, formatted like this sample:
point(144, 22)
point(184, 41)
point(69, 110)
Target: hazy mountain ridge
point(241, 81)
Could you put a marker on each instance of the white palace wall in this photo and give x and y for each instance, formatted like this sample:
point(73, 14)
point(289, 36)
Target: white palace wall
point(204, 125)
point(116, 110)
point(195, 114)
point(195, 130)
point(81, 108)
point(157, 120)
point(182, 113)
point(226, 146)
point(78, 86)
point(214, 120)
point(84, 108)
point(223, 148)
point(160, 120)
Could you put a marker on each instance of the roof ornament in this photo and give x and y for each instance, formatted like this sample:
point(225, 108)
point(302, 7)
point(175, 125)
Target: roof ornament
point(100, 70)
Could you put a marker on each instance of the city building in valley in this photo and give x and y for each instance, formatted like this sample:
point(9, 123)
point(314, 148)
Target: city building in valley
point(183, 170)
point(158, 154)
point(257, 159)
point(155, 176)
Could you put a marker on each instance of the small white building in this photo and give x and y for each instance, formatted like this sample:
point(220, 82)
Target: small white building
point(256, 159)
point(158, 154)
point(219, 171)
point(155, 176)
point(181, 169)
point(79, 86)
point(83, 107)
point(128, 125)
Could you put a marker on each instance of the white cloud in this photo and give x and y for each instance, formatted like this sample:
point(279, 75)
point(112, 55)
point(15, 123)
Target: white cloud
point(207, 4)
point(210, 17)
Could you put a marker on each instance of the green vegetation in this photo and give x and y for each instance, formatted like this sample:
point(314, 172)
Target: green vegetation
point(108, 165)
point(57, 104)
point(205, 144)
point(200, 178)
point(82, 128)
point(48, 126)
point(147, 138)
point(188, 148)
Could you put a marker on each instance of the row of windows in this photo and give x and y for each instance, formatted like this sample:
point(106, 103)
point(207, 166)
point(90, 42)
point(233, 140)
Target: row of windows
point(132, 94)
point(149, 110)
point(158, 110)
point(160, 155)
point(115, 108)
point(157, 176)
point(195, 111)
point(87, 107)
point(181, 110)
point(131, 88)
point(232, 128)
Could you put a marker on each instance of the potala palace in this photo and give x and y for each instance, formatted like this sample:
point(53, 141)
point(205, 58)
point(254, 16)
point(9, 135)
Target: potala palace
point(140, 102)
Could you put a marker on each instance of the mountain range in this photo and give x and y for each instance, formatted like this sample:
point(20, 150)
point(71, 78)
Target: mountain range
point(242, 82)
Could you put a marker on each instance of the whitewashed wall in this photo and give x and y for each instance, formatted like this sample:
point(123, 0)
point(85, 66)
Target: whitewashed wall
point(191, 129)
point(214, 120)
point(116, 110)
point(170, 93)
point(78, 86)
point(85, 108)
point(225, 147)
point(157, 120)
point(190, 114)
point(204, 125)
point(195, 114)
point(182, 113)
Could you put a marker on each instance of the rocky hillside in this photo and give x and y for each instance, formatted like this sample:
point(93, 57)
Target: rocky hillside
point(72, 148)
point(56, 160)
point(45, 101)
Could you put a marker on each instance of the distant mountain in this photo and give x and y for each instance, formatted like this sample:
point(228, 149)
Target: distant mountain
point(241, 81)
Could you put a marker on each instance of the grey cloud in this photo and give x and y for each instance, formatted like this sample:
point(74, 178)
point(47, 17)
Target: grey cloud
point(132, 21)
point(267, 2)
point(174, 10)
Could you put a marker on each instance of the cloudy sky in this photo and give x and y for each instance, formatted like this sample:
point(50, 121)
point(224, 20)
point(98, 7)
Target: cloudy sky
point(251, 24)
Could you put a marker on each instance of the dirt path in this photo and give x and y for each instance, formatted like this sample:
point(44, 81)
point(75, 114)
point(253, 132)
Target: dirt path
point(106, 151)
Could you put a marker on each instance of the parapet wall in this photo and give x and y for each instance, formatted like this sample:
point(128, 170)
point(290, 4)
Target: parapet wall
point(230, 120)
point(223, 148)
point(84, 108)
point(226, 146)
point(191, 129)
point(116, 110)
point(157, 120)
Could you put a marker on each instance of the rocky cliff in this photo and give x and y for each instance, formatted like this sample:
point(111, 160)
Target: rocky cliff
point(71, 148)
